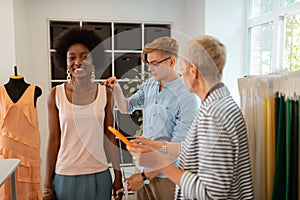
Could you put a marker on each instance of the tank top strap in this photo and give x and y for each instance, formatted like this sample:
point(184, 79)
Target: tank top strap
point(60, 94)
point(101, 97)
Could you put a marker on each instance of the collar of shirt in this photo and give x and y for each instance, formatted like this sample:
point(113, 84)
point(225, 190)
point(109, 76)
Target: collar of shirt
point(171, 84)
point(217, 86)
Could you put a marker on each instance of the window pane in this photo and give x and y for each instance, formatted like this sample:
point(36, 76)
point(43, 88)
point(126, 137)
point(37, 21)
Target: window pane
point(260, 49)
point(292, 43)
point(289, 2)
point(261, 6)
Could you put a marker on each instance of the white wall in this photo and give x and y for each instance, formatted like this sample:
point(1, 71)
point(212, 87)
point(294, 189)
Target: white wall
point(194, 18)
point(20, 28)
point(193, 14)
point(227, 21)
point(31, 17)
point(7, 41)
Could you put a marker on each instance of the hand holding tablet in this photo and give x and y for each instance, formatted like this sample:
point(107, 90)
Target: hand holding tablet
point(120, 135)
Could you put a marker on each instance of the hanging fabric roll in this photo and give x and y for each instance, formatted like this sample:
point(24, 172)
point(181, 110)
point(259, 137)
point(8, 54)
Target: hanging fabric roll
point(294, 162)
point(288, 147)
point(269, 144)
point(280, 166)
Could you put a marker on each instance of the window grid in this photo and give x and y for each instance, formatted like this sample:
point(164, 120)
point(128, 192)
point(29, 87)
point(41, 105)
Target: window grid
point(282, 9)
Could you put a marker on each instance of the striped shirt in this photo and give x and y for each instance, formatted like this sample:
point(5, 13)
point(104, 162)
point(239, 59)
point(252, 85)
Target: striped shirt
point(215, 154)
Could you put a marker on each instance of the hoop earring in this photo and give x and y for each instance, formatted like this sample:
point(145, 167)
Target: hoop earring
point(93, 75)
point(69, 76)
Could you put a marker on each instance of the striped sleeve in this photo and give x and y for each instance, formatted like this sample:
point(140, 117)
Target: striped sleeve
point(192, 187)
point(215, 162)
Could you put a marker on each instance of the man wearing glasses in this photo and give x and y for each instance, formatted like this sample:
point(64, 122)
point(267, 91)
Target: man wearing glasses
point(169, 109)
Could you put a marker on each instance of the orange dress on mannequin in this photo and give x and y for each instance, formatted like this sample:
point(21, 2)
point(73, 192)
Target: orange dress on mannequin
point(20, 138)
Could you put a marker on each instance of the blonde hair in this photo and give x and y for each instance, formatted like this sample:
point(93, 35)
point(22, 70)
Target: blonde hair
point(165, 45)
point(208, 54)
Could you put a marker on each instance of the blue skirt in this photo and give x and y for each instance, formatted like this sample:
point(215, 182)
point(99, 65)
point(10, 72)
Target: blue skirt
point(96, 186)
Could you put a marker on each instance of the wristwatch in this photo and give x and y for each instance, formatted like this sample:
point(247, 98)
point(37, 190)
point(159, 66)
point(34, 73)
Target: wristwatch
point(145, 179)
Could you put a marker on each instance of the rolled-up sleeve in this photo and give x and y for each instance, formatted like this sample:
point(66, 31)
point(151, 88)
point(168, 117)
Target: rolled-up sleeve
point(136, 100)
point(188, 108)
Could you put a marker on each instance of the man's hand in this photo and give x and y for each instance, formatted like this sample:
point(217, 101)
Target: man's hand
point(111, 82)
point(134, 182)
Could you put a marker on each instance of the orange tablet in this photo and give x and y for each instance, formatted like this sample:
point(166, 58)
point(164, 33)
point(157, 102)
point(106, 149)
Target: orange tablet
point(119, 135)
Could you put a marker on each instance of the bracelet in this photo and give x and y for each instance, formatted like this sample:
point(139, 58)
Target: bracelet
point(48, 192)
point(48, 189)
point(164, 148)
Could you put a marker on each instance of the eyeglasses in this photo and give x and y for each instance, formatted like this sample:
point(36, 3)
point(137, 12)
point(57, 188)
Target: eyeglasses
point(156, 64)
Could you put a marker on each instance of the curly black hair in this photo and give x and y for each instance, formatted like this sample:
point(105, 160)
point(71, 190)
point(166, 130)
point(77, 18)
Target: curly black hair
point(87, 37)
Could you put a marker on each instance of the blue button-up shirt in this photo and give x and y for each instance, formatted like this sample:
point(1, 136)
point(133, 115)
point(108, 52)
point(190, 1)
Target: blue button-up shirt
point(167, 113)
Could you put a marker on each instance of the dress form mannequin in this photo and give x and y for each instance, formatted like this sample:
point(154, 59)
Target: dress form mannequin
point(22, 139)
point(17, 86)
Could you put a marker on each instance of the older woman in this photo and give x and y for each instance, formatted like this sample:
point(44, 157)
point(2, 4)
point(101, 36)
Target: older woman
point(214, 158)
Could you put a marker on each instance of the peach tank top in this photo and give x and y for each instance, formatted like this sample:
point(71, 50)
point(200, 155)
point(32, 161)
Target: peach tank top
point(81, 149)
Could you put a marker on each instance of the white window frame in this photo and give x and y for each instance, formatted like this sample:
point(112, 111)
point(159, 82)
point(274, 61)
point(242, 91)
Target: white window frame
point(276, 16)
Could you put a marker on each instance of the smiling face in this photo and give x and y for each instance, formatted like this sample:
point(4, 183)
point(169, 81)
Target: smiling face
point(79, 61)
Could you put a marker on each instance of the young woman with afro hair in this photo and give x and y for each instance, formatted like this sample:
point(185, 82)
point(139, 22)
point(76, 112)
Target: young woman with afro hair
point(79, 112)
